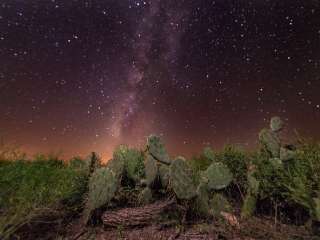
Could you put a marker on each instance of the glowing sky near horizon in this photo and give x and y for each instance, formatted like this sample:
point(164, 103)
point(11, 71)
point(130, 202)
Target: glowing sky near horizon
point(87, 75)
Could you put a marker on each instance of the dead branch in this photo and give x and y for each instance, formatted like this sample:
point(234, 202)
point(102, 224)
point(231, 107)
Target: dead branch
point(139, 216)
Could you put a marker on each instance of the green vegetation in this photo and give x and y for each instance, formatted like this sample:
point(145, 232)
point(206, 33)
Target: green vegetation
point(33, 188)
point(278, 176)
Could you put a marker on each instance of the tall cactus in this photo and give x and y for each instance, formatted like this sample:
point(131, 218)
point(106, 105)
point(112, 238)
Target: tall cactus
point(180, 179)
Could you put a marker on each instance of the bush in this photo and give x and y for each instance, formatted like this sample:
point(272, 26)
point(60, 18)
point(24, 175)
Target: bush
point(30, 188)
point(236, 160)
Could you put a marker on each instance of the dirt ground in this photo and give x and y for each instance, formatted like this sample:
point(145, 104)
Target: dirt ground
point(254, 229)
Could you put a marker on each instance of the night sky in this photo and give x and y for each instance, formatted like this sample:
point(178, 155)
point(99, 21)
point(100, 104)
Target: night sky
point(79, 76)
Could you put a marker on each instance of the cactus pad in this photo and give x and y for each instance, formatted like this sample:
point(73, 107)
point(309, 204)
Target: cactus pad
point(270, 141)
point(102, 187)
point(276, 124)
point(151, 170)
point(157, 149)
point(181, 180)
point(218, 176)
point(164, 175)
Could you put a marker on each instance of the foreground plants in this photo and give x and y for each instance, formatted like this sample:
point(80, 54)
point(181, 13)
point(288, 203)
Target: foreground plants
point(137, 187)
point(285, 174)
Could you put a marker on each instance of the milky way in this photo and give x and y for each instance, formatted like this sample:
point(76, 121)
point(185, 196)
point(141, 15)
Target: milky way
point(145, 39)
point(79, 76)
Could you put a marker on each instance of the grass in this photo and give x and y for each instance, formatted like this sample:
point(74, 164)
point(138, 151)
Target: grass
point(33, 188)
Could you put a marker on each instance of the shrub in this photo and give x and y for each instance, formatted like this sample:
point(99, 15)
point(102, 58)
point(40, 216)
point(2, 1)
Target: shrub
point(30, 188)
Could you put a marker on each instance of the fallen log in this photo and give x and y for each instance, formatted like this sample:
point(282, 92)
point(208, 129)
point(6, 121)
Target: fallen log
point(138, 216)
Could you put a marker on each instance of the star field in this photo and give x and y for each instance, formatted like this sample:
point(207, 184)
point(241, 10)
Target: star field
point(79, 76)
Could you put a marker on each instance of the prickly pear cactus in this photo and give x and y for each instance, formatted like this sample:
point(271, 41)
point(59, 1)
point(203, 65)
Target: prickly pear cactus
point(151, 170)
point(164, 175)
point(218, 204)
point(145, 196)
point(276, 124)
point(102, 187)
point(130, 160)
point(271, 142)
point(157, 149)
point(180, 179)
point(217, 176)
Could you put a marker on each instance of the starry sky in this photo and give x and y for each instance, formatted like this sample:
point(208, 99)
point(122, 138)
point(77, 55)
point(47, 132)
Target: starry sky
point(87, 75)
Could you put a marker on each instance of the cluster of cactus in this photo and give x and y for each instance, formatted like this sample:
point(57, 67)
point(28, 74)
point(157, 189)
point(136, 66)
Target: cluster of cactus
point(177, 175)
point(209, 201)
point(155, 170)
